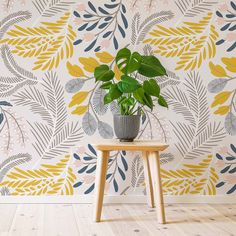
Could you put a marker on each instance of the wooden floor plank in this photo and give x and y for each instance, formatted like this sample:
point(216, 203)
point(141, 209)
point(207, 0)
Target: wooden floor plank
point(7, 212)
point(83, 214)
point(117, 220)
point(59, 220)
point(27, 220)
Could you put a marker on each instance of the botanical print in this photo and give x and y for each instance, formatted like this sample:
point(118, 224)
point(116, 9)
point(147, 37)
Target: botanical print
point(51, 110)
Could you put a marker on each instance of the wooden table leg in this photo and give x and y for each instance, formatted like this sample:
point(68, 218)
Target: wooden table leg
point(148, 179)
point(100, 181)
point(156, 178)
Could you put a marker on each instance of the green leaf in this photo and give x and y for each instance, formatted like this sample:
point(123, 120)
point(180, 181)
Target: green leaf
point(103, 73)
point(143, 98)
point(122, 99)
point(162, 102)
point(106, 85)
point(151, 67)
point(128, 62)
point(151, 87)
point(113, 94)
point(128, 84)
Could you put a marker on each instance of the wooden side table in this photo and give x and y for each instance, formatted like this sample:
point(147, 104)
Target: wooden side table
point(151, 162)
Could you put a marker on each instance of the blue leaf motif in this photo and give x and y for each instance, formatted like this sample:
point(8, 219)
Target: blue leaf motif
point(82, 170)
point(122, 174)
point(77, 184)
point(5, 103)
point(232, 189)
point(233, 148)
point(90, 189)
point(92, 7)
point(90, 46)
point(115, 185)
point(1, 118)
point(76, 156)
point(91, 170)
point(92, 149)
point(124, 163)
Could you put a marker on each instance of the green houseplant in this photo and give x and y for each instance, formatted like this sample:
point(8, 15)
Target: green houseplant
point(130, 94)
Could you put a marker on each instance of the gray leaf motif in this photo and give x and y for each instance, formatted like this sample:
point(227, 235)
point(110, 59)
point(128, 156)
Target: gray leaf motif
point(105, 130)
point(98, 103)
point(74, 85)
point(114, 108)
point(89, 124)
point(230, 123)
point(12, 162)
point(217, 85)
point(49, 8)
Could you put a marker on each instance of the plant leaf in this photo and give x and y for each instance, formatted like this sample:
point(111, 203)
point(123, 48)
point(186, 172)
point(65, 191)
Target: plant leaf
point(162, 102)
point(113, 94)
point(128, 84)
point(143, 97)
point(103, 73)
point(128, 62)
point(151, 87)
point(151, 67)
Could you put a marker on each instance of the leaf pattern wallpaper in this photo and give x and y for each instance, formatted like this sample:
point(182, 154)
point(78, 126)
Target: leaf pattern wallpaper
point(51, 111)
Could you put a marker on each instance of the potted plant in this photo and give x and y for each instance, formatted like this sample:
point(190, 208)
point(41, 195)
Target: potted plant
point(130, 94)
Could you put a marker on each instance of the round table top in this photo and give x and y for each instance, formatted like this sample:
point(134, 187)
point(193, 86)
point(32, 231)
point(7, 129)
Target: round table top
point(136, 145)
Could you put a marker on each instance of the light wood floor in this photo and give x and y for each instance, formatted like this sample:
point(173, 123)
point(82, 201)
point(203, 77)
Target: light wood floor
point(118, 220)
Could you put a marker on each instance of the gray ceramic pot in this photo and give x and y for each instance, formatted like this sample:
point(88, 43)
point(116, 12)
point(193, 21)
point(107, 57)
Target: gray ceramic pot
point(126, 127)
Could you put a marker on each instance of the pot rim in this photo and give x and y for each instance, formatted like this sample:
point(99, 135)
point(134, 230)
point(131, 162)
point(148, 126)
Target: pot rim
point(126, 115)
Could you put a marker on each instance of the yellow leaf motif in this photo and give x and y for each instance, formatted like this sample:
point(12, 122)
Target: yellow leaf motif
point(192, 179)
point(104, 57)
point(217, 70)
point(47, 180)
point(74, 70)
point(80, 110)
point(117, 72)
point(222, 110)
point(230, 63)
point(221, 98)
point(78, 98)
point(89, 63)
point(191, 43)
point(49, 43)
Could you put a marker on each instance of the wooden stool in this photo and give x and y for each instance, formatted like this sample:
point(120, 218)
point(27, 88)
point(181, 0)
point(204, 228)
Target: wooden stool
point(151, 163)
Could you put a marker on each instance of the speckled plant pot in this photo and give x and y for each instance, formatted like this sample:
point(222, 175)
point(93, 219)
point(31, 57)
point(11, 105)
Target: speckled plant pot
point(126, 127)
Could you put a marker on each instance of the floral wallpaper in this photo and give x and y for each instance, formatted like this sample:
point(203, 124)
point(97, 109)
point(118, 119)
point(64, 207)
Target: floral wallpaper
point(51, 111)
